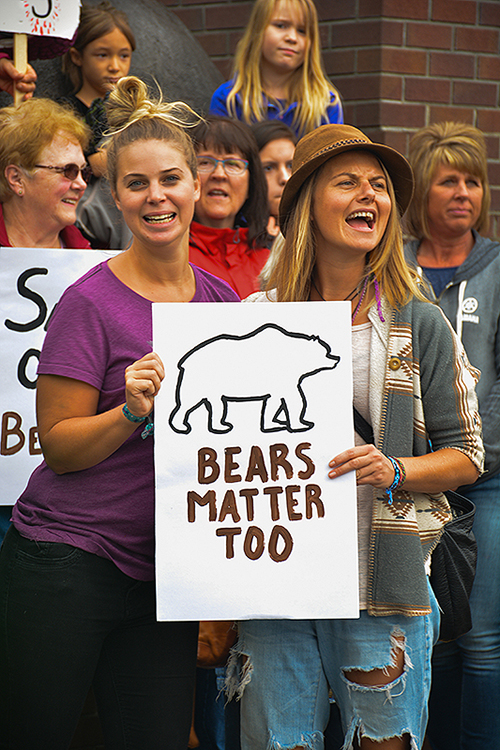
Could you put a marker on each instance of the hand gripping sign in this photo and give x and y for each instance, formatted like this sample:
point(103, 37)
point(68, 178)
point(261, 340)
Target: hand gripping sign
point(255, 402)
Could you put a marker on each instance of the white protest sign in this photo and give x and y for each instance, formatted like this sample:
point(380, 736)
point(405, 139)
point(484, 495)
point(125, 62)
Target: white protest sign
point(256, 400)
point(31, 282)
point(40, 17)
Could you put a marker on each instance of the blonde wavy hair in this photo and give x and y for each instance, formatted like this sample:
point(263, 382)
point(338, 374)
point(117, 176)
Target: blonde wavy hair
point(26, 129)
point(134, 116)
point(308, 86)
point(292, 275)
point(457, 144)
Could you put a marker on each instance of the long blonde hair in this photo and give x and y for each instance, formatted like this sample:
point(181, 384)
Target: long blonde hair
point(292, 274)
point(457, 144)
point(309, 86)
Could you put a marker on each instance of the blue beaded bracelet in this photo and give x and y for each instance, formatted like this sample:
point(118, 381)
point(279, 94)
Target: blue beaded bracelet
point(149, 427)
point(397, 481)
point(131, 417)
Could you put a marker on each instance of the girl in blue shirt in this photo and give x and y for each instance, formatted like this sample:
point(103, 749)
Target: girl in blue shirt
point(278, 73)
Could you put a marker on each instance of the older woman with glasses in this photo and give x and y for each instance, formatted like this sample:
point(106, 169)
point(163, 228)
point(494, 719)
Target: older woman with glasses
point(43, 175)
point(42, 178)
point(228, 234)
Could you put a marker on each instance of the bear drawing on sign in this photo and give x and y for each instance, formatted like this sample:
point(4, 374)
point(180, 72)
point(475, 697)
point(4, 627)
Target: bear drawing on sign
point(268, 365)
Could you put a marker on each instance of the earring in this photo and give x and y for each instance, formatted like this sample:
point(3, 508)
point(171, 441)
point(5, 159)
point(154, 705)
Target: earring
point(20, 192)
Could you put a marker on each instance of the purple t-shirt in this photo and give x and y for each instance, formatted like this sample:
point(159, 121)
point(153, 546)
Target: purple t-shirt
point(99, 327)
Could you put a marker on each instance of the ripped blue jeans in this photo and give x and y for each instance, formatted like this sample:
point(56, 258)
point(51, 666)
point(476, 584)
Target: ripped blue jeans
point(283, 669)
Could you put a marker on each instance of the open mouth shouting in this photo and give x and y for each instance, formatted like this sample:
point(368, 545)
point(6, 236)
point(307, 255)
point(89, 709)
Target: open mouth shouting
point(363, 221)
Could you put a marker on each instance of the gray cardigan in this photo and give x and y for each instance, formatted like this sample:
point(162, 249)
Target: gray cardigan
point(422, 387)
point(471, 301)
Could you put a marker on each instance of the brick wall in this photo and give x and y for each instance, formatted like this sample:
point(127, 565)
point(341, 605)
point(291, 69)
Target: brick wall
point(398, 64)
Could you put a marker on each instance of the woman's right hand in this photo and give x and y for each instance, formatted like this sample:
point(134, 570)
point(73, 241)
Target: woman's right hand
point(142, 383)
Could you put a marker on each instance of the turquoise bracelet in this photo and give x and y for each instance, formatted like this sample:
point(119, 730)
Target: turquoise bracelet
point(131, 417)
point(399, 477)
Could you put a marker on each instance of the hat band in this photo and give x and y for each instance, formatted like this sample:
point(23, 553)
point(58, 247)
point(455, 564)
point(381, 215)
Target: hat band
point(337, 144)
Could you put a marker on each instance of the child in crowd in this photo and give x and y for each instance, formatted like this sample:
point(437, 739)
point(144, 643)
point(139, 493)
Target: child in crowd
point(99, 58)
point(278, 73)
point(276, 144)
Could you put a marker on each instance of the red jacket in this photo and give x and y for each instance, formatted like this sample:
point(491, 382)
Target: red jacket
point(225, 253)
point(71, 236)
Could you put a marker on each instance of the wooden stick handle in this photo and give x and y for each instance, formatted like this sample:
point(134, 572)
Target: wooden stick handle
point(20, 60)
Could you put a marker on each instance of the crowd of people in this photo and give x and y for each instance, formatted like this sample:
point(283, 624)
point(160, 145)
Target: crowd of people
point(269, 198)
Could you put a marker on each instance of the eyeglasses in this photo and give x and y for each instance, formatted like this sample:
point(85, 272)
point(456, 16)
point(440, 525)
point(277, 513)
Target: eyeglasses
point(70, 171)
point(207, 164)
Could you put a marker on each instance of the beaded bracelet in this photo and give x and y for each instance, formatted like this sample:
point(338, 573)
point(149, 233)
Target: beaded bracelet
point(149, 426)
point(131, 417)
point(402, 470)
point(399, 476)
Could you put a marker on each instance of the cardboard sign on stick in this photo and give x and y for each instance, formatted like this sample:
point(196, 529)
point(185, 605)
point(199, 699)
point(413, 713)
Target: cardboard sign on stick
point(256, 400)
point(40, 17)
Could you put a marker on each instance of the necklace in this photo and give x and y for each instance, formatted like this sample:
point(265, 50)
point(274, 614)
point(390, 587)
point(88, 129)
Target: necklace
point(351, 296)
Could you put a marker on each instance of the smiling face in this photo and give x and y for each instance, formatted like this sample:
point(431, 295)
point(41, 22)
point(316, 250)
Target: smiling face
point(222, 195)
point(48, 194)
point(454, 202)
point(351, 205)
point(285, 42)
point(103, 62)
point(276, 158)
point(156, 192)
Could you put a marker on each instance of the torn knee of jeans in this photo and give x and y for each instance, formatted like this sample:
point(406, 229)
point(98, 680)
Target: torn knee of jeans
point(398, 644)
point(238, 672)
point(357, 729)
point(308, 741)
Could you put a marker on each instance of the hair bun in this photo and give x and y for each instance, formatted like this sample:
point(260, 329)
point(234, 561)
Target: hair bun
point(130, 101)
point(129, 95)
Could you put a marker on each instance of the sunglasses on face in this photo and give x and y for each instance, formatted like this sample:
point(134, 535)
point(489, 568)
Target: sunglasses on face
point(70, 171)
point(230, 166)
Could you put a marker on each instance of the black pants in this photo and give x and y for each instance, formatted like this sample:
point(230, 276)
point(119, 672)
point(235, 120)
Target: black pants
point(69, 619)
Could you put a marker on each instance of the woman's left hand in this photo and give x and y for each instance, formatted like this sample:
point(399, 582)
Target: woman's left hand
point(370, 465)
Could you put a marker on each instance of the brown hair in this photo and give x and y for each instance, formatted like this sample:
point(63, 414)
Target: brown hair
point(272, 130)
point(26, 129)
point(225, 134)
point(457, 144)
point(95, 21)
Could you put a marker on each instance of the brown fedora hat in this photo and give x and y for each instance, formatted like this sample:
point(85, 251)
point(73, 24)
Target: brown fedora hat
point(315, 148)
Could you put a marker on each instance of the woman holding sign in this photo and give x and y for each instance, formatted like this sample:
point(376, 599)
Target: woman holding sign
point(77, 591)
point(340, 214)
